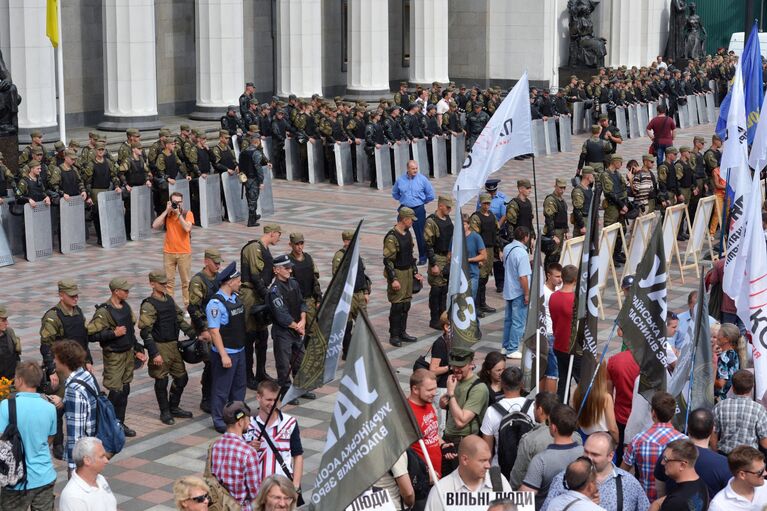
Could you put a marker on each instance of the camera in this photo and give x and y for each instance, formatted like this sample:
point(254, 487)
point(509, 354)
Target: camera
point(174, 205)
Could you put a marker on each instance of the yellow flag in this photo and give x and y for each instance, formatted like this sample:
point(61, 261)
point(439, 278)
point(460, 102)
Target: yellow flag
point(52, 22)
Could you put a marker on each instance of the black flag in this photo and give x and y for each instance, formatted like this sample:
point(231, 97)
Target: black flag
point(643, 317)
point(586, 308)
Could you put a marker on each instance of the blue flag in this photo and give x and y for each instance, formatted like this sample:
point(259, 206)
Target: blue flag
point(751, 60)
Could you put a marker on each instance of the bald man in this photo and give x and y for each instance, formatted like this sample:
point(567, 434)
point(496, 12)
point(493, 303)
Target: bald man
point(474, 474)
point(582, 481)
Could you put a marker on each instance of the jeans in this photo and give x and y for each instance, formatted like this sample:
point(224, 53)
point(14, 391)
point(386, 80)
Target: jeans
point(660, 153)
point(474, 286)
point(228, 384)
point(514, 323)
point(418, 225)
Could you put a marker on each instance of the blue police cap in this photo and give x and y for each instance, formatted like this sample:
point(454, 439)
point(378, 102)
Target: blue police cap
point(228, 273)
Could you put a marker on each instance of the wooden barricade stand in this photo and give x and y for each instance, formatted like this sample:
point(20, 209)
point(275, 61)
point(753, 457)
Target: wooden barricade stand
point(699, 234)
point(611, 235)
point(673, 219)
point(572, 251)
point(641, 232)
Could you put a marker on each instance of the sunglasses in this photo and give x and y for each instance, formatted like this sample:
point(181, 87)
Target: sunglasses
point(200, 498)
point(670, 460)
point(756, 472)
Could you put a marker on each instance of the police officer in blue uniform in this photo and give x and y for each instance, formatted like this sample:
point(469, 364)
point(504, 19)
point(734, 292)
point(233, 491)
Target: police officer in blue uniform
point(226, 324)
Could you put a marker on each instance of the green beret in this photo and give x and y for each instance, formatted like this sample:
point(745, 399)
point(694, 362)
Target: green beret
point(164, 132)
point(119, 283)
point(587, 171)
point(132, 132)
point(223, 133)
point(405, 212)
point(184, 127)
point(648, 157)
point(101, 145)
point(671, 150)
point(158, 276)
point(68, 287)
point(37, 150)
point(561, 183)
point(200, 133)
point(485, 198)
point(460, 357)
point(596, 128)
point(524, 183)
point(213, 254)
point(3, 311)
point(36, 134)
point(616, 157)
point(59, 146)
point(296, 237)
point(446, 200)
point(684, 149)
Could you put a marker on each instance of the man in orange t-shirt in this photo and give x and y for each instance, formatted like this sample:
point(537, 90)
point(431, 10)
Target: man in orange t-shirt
point(177, 252)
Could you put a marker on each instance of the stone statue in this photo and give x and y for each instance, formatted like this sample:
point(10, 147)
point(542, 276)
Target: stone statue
point(695, 36)
point(9, 102)
point(585, 48)
point(676, 26)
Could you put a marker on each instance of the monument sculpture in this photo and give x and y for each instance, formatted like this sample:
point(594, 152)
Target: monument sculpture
point(585, 48)
point(9, 102)
point(686, 34)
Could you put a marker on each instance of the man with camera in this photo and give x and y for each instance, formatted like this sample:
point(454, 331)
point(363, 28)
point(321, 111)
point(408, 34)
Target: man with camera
point(177, 251)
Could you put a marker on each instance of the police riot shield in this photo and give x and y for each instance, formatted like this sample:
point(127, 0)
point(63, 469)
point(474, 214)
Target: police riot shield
point(652, 110)
point(439, 155)
point(457, 152)
point(643, 119)
point(363, 166)
point(565, 133)
point(550, 136)
point(265, 198)
point(140, 213)
point(13, 223)
point(112, 219)
point(292, 162)
point(6, 255)
point(383, 167)
point(72, 224)
point(182, 186)
point(234, 194)
point(38, 231)
point(634, 122)
point(268, 144)
point(692, 109)
point(401, 152)
point(700, 104)
point(211, 208)
point(620, 120)
point(538, 137)
point(343, 156)
point(684, 116)
point(710, 107)
point(603, 108)
point(421, 156)
point(579, 118)
point(315, 155)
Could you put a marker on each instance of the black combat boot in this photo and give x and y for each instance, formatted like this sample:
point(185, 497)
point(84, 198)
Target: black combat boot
point(161, 392)
point(176, 389)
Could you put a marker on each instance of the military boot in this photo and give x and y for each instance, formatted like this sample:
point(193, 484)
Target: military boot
point(161, 392)
point(176, 389)
point(395, 325)
point(403, 324)
point(252, 219)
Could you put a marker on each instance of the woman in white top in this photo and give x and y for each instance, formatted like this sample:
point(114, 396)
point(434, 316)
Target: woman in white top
point(597, 413)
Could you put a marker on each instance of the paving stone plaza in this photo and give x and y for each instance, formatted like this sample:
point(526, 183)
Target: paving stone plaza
point(142, 475)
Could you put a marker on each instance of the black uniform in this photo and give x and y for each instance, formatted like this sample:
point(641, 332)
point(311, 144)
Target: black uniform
point(286, 304)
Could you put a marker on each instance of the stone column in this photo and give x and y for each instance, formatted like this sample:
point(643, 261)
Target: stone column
point(130, 74)
point(220, 56)
point(368, 48)
point(299, 47)
point(428, 41)
point(32, 65)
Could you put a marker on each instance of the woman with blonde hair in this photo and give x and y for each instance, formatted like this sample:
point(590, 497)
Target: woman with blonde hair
point(191, 494)
point(597, 413)
point(277, 493)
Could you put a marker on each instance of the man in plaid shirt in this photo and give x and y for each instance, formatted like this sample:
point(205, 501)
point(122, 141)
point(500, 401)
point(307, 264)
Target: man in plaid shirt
point(79, 405)
point(740, 420)
point(642, 453)
point(232, 460)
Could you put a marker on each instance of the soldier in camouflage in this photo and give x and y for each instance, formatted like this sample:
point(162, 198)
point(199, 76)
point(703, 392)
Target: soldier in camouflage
point(594, 151)
point(668, 186)
point(306, 273)
point(25, 155)
point(555, 222)
point(362, 288)
point(438, 236)
point(581, 200)
point(615, 202)
point(132, 136)
point(484, 223)
point(475, 123)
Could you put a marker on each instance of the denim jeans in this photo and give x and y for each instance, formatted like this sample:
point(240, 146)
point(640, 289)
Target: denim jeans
point(514, 323)
point(474, 287)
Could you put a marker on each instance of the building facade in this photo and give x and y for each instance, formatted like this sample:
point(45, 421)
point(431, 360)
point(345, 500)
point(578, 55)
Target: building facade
point(127, 62)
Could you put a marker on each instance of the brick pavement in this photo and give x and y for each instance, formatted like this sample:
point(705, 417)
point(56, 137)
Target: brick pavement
point(141, 476)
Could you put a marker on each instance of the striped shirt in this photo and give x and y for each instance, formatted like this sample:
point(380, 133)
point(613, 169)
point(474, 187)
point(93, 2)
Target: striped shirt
point(285, 436)
point(643, 452)
point(739, 421)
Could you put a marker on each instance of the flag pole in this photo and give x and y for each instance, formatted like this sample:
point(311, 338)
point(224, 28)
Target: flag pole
point(538, 357)
point(60, 78)
point(601, 359)
point(535, 195)
point(566, 397)
point(431, 471)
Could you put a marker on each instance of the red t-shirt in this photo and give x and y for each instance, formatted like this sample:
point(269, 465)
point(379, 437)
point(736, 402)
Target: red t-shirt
point(623, 370)
point(561, 310)
point(662, 128)
point(426, 418)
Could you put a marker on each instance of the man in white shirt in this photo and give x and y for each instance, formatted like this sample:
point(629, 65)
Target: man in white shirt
point(581, 481)
point(473, 476)
point(511, 383)
point(746, 490)
point(87, 490)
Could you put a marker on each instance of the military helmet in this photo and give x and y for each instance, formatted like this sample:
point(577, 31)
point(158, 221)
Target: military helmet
point(193, 350)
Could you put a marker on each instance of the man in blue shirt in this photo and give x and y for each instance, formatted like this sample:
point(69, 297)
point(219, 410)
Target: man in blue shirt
point(476, 254)
point(226, 325)
point(413, 190)
point(36, 422)
point(516, 291)
point(498, 208)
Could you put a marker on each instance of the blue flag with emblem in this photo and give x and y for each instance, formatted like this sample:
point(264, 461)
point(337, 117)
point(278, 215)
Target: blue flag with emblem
point(751, 64)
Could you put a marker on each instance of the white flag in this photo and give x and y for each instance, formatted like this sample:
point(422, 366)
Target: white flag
point(735, 168)
point(505, 136)
point(758, 156)
point(751, 299)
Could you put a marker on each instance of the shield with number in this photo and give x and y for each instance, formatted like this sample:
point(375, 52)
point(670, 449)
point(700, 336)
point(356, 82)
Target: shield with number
point(234, 194)
point(38, 231)
point(72, 224)
point(210, 200)
point(112, 219)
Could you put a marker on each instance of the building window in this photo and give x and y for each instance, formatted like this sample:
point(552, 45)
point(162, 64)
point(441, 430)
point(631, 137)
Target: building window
point(344, 34)
point(405, 33)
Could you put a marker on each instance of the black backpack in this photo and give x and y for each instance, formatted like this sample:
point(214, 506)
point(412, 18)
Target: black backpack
point(513, 425)
point(13, 468)
point(419, 474)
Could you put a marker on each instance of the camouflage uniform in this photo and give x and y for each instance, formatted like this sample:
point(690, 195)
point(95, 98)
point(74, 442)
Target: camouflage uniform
point(438, 236)
point(399, 265)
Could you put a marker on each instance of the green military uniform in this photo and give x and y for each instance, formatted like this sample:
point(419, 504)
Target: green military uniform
point(26, 154)
point(307, 275)
point(581, 200)
point(88, 152)
point(615, 193)
point(594, 151)
point(157, 147)
point(66, 180)
point(399, 265)
point(668, 187)
point(124, 151)
point(438, 237)
point(100, 176)
point(519, 212)
point(159, 322)
point(361, 290)
point(486, 225)
point(555, 222)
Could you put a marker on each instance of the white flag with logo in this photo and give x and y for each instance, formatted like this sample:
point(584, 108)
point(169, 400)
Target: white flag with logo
point(505, 136)
point(735, 168)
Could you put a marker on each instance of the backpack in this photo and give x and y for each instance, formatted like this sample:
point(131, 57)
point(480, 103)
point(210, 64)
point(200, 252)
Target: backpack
point(419, 474)
point(108, 427)
point(513, 425)
point(13, 468)
point(220, 498)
